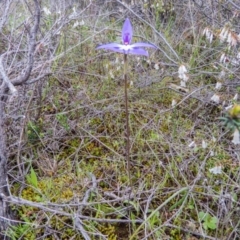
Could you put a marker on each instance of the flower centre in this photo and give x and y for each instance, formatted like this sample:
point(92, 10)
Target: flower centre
point(126, 39)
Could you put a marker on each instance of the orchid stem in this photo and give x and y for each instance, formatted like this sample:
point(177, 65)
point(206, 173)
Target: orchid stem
point(127, 119)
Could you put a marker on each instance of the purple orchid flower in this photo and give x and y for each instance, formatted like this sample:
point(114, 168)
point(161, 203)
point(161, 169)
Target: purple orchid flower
point(127, 47)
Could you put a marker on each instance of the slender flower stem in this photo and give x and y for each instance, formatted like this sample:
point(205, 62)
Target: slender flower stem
point(127, 48)
point(127, 119)
point(127, 133)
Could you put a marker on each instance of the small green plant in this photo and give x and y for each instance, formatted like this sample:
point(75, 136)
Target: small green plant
point(232, 122)
point(34, 131)
point(32, 178)
point(63, 120)
point(209, 222)
point(22, 231)
point(17, 232)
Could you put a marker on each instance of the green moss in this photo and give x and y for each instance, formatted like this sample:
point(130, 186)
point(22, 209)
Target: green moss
point(109, 231)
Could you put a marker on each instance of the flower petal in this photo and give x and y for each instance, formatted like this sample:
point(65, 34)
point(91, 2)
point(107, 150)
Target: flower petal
point(138, 51)
point(139, 44)
point(115, 47)
point(127, 32)
point(125, 49)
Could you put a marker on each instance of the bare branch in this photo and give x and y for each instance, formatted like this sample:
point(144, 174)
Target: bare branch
point(12, 89)
point(234, 4)
point(47, 207)
point(47, 73)
point(32, 44)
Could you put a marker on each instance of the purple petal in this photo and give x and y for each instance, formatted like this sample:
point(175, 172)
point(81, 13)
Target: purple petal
point(138, 51)
point(127, 32)
point(115, 47)
point(143, 45)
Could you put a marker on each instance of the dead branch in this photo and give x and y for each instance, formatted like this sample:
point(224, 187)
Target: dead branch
point(58, 210)
point(6, 80)
point(32, 44)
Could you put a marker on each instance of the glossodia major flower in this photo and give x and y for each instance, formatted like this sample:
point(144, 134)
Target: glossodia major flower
point(127, 47)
